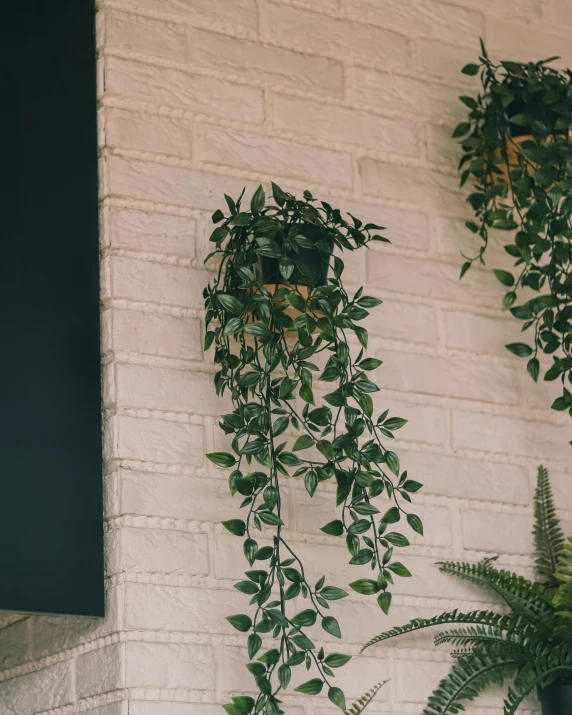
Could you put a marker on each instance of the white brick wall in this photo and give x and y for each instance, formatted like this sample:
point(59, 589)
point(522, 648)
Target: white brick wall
point(354, 99)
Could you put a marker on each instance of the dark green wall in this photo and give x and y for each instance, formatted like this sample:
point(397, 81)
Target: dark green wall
point(51, 540)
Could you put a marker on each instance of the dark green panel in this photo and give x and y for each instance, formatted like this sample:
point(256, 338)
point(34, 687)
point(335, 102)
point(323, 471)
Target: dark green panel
point(51, 530)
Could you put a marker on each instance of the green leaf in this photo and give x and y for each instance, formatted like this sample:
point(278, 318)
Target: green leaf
point(311, 482)
point(246, 587)
point(392, 515)
point(336, 399)
point(333, 593)
point(337, 697)
point(257, 669)
point(560, 404)
point(304, 619)
point(365, 509)
point(508, 300)
point(396, 539)
point(306, 394)
point(533, 368)
point(522, 120)
point(264, 553)
point(219, 234)
point(394, 423)
point(461, 129)
point(469, 102)
point(471, 70)
point(333, 528)
point(337, 660)
point(222, 459)
point(257, 330)
point(325, 448)
point(312, 687)
point(412, 486)
point(284, 675)
point(231, 709)
point(365, 586)
point(244, 703)
point(241, 622)
point(233, 326)
point(278, 194)
point(241, 219)
point(258, 200)
point(415, 523)
point(270, 518)
point(272, 656)
point(399, 569)
point(331, 626)
point(229, 303)
point(519, 349)
point(254, 644)
point(370, 364)
point(230, 203)
point(506, 278)
point(362, 335)
point(392, 462)
point(296, 301)
point(290, 459)
point(465, 267)
point(280, 426)
point(368, 301)
point(384, 601)
point(235, 526)
point(303, 442)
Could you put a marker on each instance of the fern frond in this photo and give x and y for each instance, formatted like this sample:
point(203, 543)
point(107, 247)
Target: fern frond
point(550, 663)
point(484, 618)
point(563, 573)
point(524, 597)
point(548, 534)
point(482, 636)
point(360, 705)
point(469, 676)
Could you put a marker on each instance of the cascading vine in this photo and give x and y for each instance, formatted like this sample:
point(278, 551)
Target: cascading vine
point(517, 150)
point(267, 338)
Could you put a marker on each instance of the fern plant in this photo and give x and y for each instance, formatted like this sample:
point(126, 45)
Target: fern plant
point(531, 645)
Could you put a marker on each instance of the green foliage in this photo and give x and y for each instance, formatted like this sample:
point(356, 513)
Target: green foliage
point(528, 197)
point(360, 705)
point(268, 341)
point(530, 646)
point(548, 535)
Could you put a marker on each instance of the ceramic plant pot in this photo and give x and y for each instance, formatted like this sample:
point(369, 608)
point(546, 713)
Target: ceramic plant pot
point(556, 699)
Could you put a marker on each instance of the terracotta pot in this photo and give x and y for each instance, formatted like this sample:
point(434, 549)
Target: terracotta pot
point(556, 699)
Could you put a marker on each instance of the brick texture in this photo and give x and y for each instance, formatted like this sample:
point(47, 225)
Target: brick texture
point(355, 99)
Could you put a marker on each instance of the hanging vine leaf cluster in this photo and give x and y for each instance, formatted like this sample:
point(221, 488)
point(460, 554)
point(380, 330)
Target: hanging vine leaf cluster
point(517, 150)
point(268, 340)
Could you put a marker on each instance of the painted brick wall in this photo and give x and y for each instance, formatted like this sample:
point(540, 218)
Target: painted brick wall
point(355, 100)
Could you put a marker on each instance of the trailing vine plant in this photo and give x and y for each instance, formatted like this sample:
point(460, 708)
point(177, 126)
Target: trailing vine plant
point(517, 151)
point(292, 419)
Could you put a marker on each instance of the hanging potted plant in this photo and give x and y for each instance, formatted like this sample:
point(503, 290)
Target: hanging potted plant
point(517, 152)
point(272, 258)
point(530, 645)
